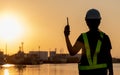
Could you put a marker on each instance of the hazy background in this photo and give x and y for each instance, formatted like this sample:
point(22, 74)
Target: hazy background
point(42, 22)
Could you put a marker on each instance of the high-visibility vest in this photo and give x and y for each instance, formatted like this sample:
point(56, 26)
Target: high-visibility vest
point(92, 63)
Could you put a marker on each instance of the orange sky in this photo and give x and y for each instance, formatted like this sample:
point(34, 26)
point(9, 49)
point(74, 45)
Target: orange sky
point(43, 22)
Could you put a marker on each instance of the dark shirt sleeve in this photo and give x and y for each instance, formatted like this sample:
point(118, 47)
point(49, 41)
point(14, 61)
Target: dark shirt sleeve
point(107, 42)
point(80, 39)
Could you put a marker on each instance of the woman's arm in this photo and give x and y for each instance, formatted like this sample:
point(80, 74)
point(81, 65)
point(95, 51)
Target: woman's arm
point(76, 47)
point(110, 65)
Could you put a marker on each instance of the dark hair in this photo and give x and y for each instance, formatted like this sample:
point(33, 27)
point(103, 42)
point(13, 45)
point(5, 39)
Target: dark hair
point(93, 23)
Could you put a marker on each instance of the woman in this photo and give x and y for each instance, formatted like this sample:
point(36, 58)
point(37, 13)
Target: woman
point(96, 46)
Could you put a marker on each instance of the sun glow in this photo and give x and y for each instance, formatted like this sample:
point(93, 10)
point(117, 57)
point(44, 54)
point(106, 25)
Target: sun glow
point(10, 27)
point(7, 65)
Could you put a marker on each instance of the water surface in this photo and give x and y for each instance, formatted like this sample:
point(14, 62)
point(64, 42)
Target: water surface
point(47, 69)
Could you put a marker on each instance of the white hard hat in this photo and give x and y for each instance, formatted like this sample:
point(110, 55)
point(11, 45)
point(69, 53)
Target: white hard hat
point(93, 14)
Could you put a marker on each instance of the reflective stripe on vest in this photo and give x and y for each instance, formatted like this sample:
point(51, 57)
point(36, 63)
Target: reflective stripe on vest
point(92, 63)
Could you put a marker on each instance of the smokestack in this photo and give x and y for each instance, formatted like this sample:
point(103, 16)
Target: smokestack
point(19, 48)
point(22, 46)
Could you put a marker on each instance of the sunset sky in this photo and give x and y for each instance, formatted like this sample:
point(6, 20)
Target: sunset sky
point(41, 23)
